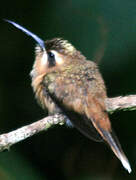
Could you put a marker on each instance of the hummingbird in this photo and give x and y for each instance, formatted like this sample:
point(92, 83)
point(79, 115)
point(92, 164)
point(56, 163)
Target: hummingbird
point(64, 81)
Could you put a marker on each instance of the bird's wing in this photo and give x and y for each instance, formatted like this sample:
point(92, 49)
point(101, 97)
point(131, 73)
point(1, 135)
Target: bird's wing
point(68, 98)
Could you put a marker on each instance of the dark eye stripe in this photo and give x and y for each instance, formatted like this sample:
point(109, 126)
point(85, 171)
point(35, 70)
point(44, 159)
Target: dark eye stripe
point(51, 55)
point(51, 59)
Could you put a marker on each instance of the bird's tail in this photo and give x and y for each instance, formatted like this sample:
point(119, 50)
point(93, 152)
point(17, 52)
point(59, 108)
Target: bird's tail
point(113, 142)
point(102, 124)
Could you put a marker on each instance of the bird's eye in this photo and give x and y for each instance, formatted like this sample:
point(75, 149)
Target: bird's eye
point(51, 59)
point(50, 55)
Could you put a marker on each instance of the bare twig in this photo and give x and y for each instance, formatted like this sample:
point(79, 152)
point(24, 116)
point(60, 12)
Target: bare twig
point(112, 104)
point(126, 103)
point(8, 139)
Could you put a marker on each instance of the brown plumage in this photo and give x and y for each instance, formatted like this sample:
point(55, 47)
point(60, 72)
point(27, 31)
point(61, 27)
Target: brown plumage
point(64, 81)
point(74, 86)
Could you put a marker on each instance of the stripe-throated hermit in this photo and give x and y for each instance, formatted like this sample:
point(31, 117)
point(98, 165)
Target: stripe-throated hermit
point(64, 81)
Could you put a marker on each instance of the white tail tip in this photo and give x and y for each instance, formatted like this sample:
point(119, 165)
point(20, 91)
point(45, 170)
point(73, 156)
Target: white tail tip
point(125, 163)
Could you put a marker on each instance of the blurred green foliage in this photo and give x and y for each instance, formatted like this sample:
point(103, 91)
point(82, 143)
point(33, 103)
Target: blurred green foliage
point(14, 166)
point(104, 31)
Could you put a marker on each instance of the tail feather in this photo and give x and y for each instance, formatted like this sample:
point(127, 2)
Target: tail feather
point(102, 124)
point(113, 142)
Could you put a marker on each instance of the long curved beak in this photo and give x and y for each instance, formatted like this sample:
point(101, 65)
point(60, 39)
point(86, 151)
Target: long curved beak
point(29, 33)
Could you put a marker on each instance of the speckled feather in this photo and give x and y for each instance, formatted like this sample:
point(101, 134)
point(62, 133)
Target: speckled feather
point(79, 89)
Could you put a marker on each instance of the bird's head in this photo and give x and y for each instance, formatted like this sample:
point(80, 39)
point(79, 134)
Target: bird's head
point(58, 55)
point(51, 55)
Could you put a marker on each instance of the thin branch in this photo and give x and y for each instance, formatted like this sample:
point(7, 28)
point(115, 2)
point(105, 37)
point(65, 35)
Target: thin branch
point(112, 104)
point(126, 103)
point(13, 137)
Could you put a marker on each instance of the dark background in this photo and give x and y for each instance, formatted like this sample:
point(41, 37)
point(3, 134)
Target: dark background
point(105, 31)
